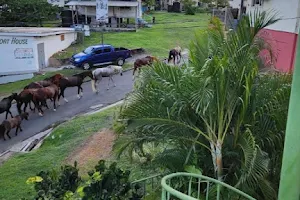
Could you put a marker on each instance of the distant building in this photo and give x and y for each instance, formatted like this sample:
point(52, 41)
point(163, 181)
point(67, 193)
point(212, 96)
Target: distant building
point(118, 11)
point(27, 50)
point(283, 34)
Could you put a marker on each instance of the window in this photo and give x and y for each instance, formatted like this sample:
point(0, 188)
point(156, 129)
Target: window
point(257, 2)
point(106, 50)
point(99, 51)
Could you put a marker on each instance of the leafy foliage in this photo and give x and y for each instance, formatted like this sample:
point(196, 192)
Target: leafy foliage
point(104, 183)
point(26, 11)
point(54, 185)
point(219, 113)
point(189, 7)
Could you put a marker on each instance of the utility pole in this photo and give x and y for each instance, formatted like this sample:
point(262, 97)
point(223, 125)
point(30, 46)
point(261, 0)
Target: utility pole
point(241, 9)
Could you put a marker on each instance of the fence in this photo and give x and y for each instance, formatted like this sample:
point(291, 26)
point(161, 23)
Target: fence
point(225, 15)
point(214, 189)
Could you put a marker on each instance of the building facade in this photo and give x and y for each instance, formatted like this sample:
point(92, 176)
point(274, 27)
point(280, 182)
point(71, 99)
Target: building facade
point(27, 50)
point(283, 34)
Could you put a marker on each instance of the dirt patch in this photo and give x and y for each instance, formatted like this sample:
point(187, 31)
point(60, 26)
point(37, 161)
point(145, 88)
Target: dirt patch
point(96, 147)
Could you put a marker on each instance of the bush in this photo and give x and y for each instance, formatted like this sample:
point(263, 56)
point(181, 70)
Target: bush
point(189, 7)
point(104, 183)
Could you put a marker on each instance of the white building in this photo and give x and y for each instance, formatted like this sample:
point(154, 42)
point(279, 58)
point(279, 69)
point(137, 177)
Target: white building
point(235, 3)
point(27, 50)
point(283, 34)
point(116, 9)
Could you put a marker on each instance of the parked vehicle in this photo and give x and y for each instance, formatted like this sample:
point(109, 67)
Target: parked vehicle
point(100, 55)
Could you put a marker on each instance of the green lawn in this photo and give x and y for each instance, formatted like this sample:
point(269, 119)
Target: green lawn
point(53, 152)
point(6, 89)
point(171, 29)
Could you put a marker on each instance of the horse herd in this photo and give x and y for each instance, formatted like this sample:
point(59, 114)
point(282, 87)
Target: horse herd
point(53, 89)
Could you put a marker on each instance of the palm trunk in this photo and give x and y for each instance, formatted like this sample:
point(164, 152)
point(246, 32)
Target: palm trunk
point(219, 160)
point(216, 153)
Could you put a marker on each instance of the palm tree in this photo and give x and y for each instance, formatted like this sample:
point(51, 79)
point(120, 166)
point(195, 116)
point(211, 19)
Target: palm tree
point(214, 107)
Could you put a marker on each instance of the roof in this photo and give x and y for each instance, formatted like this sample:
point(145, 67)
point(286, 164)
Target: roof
point(34, 31)
point(110, 3)
point(100, 46)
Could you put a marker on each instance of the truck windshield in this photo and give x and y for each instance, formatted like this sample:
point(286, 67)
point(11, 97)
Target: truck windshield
point(88, 50)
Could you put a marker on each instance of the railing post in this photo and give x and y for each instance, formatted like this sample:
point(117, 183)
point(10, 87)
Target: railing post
point(290, 171)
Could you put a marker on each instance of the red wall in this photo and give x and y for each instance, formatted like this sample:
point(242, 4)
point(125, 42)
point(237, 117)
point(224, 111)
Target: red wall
point(284, 46)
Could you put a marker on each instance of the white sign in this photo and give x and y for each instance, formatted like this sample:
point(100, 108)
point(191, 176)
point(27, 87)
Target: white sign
point(17, 55)
point(102, 11)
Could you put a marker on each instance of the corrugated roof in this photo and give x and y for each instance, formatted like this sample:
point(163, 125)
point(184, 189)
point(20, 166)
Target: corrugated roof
point(110, 3)
point(34, 31)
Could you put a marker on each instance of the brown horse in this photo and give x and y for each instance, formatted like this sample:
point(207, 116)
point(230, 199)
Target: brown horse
point(41, 95)
point(148, 60)
point(44, 83)
point(26, 95)
point(73, 81)
point(14, 122)
point(175, 53)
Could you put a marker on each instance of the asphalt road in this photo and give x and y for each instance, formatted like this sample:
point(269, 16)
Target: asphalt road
point(35, 124)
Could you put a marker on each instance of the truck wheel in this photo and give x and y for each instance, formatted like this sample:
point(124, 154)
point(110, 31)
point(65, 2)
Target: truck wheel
point(120, 61)
point(86, 66)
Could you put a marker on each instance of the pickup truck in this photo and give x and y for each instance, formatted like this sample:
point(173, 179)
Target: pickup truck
point(100, 55)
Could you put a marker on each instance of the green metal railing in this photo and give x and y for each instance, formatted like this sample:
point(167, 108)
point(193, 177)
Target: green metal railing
point(199, 180)
point(150, 181)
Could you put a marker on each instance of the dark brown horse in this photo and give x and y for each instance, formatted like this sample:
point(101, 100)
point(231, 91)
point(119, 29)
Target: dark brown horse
point(148, 60)
point(5, 104)
point(41, 95)
point(175, 54)
point(14, 122)
point(25, 97)
point(73, 81)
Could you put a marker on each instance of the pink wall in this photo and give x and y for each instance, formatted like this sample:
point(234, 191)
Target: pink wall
point(284, 45)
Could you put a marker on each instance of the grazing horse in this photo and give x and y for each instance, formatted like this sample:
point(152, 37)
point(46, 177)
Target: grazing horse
point(5, 104)
point(40, 95)
point(73, 81)
point(109, 71)
point(14, 122)
point(175, 53)
point(142, 62)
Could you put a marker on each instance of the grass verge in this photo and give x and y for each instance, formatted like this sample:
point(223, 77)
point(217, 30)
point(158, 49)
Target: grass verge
point(169, 30)
point(64, 139)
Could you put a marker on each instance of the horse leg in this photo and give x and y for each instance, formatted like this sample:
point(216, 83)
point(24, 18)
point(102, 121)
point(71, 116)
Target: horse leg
point(78, 96)
point(37, 105)
point(62, 93)
point(17, 130)
point(81, 93)
point(10, 114)
point(7, 133)
point(108, 83)
point(6, 114)
point(54, 105)
point(113, 81)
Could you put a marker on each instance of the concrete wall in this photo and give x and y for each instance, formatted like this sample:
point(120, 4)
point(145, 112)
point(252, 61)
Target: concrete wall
point(53, 43)
point(283, 46)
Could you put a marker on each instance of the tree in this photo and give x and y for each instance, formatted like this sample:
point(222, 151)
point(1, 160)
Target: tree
point(27, 11)
point(218, 113)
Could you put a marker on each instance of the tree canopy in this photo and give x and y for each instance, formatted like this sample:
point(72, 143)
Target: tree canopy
point(26, 11)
